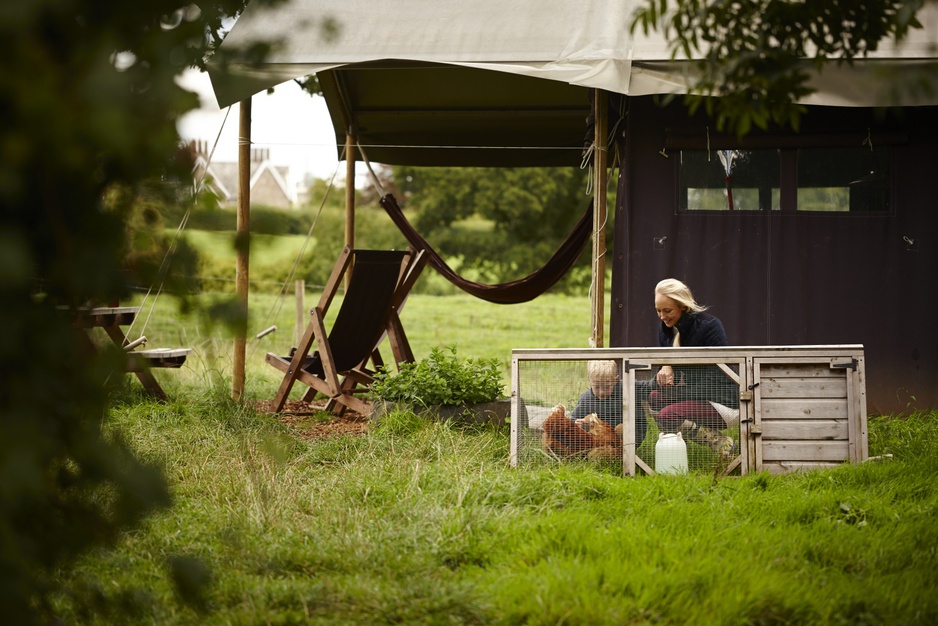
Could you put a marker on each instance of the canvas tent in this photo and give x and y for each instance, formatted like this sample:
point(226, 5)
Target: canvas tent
point(508, 83)
point(421, 79)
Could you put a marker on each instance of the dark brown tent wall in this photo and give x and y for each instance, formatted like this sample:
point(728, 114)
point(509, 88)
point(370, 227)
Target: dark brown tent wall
point(782, 276)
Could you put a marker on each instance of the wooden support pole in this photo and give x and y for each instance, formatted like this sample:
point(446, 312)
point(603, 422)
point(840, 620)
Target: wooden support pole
point(600, 160)
point(349, 197)
point(243, 246)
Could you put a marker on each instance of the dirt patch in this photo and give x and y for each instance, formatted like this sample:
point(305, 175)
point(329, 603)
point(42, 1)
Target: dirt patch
point(310, 421)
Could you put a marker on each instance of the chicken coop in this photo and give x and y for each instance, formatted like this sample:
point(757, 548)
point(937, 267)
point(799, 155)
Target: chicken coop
point(737, 409)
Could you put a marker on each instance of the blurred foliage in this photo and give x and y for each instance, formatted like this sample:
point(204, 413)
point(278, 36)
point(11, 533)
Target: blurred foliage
point(215, 269)
point(89, 151)
point(264, 220)
point(499, 224)
point(756, 56)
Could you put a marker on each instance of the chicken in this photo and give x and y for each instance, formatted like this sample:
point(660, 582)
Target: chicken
point(605, 453)
point(607, 442)
point(565, 438)
point(602, 433)
point(562, 436)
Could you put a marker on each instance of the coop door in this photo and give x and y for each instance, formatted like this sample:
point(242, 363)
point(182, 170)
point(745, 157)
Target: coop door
point(808, 413)
point(690, 405)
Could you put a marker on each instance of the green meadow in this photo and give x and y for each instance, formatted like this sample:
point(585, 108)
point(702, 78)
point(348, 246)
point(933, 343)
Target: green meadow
point(422, 522)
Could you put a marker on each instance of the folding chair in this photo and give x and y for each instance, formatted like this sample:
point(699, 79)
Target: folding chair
point(379, 284)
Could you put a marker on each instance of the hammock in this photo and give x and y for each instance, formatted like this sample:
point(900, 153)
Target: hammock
point(513, 292)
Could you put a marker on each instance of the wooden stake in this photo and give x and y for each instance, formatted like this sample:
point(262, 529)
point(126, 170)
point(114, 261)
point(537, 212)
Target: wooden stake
point(349, 197)
point(302, 316)
point(600, 159)
point(243, 247)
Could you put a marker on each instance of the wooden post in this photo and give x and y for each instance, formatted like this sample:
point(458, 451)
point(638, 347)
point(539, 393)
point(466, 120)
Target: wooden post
point(349, 197)
point(600, 159)
point(302, 317)
point(243, 241)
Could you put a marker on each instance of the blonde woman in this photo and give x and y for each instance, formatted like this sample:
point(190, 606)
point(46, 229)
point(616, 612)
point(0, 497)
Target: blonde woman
point(691, 398)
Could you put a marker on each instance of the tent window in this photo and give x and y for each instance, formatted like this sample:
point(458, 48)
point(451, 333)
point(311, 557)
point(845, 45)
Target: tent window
point(730, 180)
point(816, 179)
point(845, 179)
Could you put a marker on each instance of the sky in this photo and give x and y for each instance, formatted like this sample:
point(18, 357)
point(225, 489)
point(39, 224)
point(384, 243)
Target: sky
point(294, 125)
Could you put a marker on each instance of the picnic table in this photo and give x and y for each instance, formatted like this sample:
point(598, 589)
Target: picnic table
point(139, 362)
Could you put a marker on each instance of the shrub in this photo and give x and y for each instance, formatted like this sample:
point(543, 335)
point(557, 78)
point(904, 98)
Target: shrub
point(441, 379)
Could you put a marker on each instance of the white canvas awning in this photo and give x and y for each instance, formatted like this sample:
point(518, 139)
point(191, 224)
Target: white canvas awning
point(500, 82)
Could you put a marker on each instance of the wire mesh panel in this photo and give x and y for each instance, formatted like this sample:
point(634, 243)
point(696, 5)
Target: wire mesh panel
point(699, 400)
point(551, 421)
point(615, 407)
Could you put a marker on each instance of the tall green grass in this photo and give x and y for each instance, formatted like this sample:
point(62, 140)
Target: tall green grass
point(421, 522)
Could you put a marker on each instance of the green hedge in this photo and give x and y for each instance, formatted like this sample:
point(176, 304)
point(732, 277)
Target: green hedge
point(264, 220)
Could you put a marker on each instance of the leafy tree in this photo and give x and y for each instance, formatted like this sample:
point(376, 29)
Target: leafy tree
point(756, 55)
point(88, 147)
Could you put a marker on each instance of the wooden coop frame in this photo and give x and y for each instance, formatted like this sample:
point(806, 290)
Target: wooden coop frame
point(800, 407)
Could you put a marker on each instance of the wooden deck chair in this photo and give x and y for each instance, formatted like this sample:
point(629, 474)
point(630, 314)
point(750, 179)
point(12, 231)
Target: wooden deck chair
point(380, 283)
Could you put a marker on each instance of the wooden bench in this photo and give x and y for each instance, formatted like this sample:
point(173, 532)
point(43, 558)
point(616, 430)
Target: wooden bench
point(139, 362)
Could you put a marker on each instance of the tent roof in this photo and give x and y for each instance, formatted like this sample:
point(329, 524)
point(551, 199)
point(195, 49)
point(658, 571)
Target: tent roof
point(496, 82)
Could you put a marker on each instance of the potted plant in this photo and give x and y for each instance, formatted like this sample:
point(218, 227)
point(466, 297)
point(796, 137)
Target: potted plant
point(445, 386)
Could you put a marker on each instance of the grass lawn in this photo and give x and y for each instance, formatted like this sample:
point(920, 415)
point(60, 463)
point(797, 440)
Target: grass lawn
point(418, 522)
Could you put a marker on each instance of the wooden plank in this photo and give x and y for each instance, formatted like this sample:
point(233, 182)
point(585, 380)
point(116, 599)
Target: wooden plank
point(629, 458)
point(149, 382)
point(104, 316)
point(786, 467)
point(802, 387)
point(278, 361)
point(858, 391)
point(821, 408)
point(799, 370)
point(729, 372)
point(158, 357)
point(805, 451)
point(778, 354)
point(816, 430)
point(515, 415)
point(645, 467)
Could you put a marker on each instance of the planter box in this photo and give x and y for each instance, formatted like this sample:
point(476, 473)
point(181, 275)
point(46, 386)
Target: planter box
point(495, 413)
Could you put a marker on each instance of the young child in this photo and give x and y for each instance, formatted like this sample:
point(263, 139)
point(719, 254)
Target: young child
point(604, 398)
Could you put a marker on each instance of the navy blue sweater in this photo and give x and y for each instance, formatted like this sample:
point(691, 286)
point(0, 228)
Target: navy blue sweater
point(701, 382)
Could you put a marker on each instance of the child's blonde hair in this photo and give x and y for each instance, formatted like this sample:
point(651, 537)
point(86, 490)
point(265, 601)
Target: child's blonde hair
point(602, 370)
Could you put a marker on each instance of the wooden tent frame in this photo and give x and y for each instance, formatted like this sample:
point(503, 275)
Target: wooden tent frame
point(600, 178)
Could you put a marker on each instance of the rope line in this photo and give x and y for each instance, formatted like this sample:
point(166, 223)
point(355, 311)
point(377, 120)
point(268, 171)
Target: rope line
point(257, 142)
point(277, 307)
point(163, 270)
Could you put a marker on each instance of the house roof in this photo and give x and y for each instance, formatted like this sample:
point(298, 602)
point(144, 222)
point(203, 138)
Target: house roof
point(499, 82)
point(222, 177)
